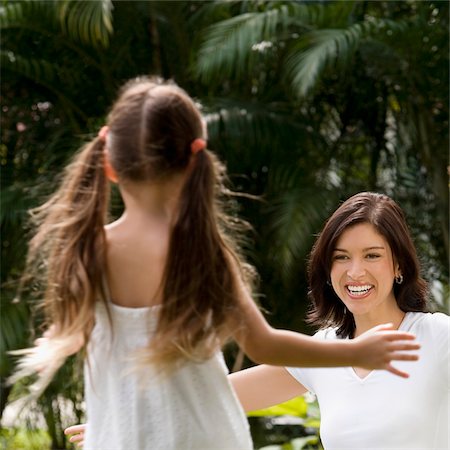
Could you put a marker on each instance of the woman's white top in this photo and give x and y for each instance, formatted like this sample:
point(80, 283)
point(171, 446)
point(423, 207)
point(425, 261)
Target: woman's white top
point(384, 411)
point(193, 409)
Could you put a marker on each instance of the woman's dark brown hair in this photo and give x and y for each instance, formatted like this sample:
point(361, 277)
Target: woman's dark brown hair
point(389, 221)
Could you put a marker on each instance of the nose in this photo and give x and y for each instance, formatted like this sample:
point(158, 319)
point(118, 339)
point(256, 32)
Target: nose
point(356, 270)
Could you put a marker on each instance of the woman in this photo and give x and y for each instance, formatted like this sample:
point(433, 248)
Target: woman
point(363, 270)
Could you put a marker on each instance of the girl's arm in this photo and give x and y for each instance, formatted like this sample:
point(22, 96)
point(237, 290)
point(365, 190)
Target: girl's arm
point(374, 349)
point(44, 359)
point(264, 386)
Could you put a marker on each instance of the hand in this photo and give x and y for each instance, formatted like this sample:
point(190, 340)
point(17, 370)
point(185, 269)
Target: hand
point(71, 346)
point(380, 345)
point(48, 334)
point(76, 433)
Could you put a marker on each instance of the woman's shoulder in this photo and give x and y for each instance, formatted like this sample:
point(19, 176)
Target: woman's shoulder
point(435, 323)
point(326, 333)
point(427, 320)
point(431, 327)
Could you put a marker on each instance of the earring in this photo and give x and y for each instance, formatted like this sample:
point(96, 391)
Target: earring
point(329, 282)
point(399, 278)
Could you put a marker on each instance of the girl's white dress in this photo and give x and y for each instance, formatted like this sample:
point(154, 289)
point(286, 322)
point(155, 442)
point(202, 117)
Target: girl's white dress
point(193, 409)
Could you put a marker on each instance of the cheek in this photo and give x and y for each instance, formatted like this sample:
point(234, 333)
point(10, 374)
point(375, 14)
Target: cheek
point(385, 271)
point(335, 277)
point(336, 272)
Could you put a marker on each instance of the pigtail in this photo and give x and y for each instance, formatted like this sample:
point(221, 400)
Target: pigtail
point(66, 258)
point(200, 292)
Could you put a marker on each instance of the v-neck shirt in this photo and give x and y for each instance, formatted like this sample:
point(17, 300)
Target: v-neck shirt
point(381, 410)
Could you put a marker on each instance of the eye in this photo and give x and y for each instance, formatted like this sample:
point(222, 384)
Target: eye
point(340, 257)
point(373, 256)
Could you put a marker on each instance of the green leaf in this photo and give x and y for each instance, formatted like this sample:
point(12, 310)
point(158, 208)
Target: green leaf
point(35, 69)
point(295, 407)
point(14, 331)
point(318, 50)
point(229, 44)
point(89, 22)
point(30, 13)
point(312, 422)
point(293, 215)
point(272, 447)
point(301, 442)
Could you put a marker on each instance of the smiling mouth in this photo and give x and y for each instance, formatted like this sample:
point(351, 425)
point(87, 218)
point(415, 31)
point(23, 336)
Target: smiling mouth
point(359, 291)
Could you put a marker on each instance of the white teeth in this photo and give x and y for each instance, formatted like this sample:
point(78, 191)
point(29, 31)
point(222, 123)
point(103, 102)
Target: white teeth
point(359, 290)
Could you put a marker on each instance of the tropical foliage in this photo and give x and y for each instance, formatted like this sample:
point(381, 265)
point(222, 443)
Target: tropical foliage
point(347, 73)
point(308, 102)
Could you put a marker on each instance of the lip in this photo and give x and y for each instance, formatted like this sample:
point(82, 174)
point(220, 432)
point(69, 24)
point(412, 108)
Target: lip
point(359, 291)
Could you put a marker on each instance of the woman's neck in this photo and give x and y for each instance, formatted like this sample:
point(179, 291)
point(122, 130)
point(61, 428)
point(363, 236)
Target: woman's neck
point(392, 315)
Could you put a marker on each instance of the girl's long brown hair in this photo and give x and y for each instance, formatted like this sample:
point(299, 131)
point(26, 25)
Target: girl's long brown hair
point(151, 127)
point(389, 220)
point(65, 260)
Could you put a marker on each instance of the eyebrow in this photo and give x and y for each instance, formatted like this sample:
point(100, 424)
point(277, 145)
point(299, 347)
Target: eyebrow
point(364, 249)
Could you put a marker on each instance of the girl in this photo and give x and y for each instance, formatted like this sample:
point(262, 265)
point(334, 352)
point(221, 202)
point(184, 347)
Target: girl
point(154, 295)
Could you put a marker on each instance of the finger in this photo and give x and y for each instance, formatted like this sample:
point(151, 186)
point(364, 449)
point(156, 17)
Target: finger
point(396, 371)
point(77, 437)
point(75, 429)
point(404, 357)
point(383, 326)
point(405, 346)
point(49, 332)
point(80, 444)
point(395, 335)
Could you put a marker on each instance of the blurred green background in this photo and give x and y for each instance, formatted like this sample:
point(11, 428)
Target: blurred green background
point(308, 102)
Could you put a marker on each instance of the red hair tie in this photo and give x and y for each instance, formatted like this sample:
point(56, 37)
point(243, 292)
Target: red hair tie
point(103, 133)
point(197, 145)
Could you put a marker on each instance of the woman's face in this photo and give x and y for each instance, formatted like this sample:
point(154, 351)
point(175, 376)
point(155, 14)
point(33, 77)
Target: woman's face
point(363, 271)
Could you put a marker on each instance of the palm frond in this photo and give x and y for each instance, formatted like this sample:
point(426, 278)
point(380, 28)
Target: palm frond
point(87, 22)
point(293, 215)
point(18, 14)
point(36, 69)
point(15, 201)
point(318, 50)
point(333, 14)
point(240, 126)
point(13, 332)
point(42, 72)
point(228, 45)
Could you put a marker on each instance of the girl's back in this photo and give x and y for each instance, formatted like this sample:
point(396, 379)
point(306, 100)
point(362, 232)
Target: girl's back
point(136, 255)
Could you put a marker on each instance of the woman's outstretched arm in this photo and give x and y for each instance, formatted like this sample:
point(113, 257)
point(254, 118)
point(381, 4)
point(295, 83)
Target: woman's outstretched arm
point(264, 386)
